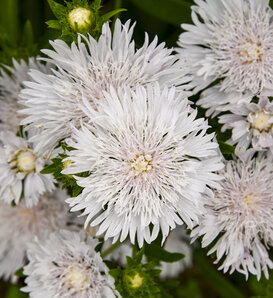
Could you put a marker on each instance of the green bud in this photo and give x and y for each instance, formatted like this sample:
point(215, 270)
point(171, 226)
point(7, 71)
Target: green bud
point(79, 18)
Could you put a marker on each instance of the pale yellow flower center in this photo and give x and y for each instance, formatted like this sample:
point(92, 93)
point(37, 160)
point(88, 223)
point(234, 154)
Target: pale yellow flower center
point(142, 164)
point(77, 278)
point(251, 199)
point(81, 17)
point(250, 52)
point(25, 161)
point(260, 120)
point(136, 281)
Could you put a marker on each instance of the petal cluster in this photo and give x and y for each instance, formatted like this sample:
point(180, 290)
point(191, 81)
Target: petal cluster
point(149, 161)
point(76, 270)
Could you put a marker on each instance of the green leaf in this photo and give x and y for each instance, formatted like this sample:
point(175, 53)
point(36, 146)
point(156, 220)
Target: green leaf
point(110, 14)
point(172, 11)
point(226, 148)
point(48, 169)
point(53, 24)
point(58, 9)
point(156, 252)
point(27, 38)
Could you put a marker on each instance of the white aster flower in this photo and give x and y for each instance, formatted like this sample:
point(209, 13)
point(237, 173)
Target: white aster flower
point(251, 124)
point(66, 265)
point(11, 83)
point(20, 166)
point(177, 242)
point(240, 217)
point(20, 224)
point(86, 71)
point(233, 43)
point(149, 161)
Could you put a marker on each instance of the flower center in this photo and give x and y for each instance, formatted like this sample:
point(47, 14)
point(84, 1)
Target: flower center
point(260, 120)
point(25, 161)
point(250, 52)
point(77, 278)
point(141, 164)
point(250, 199)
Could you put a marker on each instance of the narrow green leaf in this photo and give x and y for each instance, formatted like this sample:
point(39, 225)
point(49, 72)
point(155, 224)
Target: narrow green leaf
point(27, 37)
point(48, 169)
point(226, 148)
point(108, 15)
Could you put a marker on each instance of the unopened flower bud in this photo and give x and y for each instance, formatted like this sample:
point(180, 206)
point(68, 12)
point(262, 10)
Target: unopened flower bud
point(79, 18)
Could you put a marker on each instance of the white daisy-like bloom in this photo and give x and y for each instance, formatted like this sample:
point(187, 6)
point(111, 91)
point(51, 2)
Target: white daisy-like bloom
point(251, 124)
point(11, 83)
point(20, 224)
point(20, 166)
point(177, 242)
point(239, 219)
point(231, 40)
point(67, 265)
point(87, 70)
point(149, 162)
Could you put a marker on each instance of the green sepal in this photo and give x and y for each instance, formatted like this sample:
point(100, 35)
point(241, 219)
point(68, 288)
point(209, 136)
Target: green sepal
point(53, 24)
point(136, 279)
point(68, 181)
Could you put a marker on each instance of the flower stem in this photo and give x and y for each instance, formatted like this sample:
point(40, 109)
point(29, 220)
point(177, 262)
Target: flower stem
point(110, 249)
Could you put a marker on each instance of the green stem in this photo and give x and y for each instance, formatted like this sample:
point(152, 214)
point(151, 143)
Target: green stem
point(110, 249)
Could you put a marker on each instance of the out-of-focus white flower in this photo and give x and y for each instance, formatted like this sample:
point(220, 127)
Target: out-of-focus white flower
point(149, 162)
point(231, 40)
point(19, 225)
point(66, 265)
point(240, 216)
point(251, 124)
point(11, 83)
point(20, 166)
point(88, 69)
